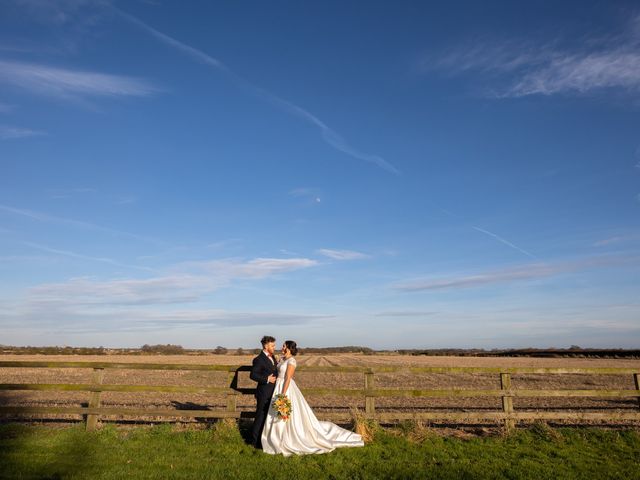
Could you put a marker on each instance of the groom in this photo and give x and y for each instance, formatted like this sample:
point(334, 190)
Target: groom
point(263, 371)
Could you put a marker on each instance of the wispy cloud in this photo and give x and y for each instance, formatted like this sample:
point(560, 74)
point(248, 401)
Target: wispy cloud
point(125, 199)
point(116, 199)
point(405, 313)
point(43, 217)
point(80, 292)
point(546, 69)
point(70, 84)
point(227, 318)
point(5, 108)
point(312, 195)
point(61, 12)
point(256, 268)
point(67, 253)
point(58, 193)
point(506, 242)
point(329, 135)
point(136, 319)
point(183, 283)
point(617, 239)
point(227, 243)
point(581, 73)
point(10, 133)
point(342, 254)
point(520, 273)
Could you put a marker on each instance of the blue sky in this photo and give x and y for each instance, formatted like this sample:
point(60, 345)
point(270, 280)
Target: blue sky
point(390, 174)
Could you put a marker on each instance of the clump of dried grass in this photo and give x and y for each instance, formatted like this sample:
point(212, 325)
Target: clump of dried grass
point(420, 432)
point(416, 431)
point(225, 428)
point(544, 430)
point(363, 426)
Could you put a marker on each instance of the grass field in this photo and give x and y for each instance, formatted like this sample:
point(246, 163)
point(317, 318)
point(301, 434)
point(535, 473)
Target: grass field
point(408, 451)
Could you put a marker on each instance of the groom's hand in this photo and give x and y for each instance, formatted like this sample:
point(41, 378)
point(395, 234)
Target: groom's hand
point(271, 379)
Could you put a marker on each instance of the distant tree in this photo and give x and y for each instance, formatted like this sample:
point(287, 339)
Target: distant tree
point(240, 351)
point(167, 349)
point(220, 350)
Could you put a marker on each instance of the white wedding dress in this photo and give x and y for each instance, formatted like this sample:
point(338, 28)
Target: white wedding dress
point(302, 433)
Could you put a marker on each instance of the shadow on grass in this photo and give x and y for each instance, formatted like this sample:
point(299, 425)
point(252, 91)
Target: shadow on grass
point(28, 453)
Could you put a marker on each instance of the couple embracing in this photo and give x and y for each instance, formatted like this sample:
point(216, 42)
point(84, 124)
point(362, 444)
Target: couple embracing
point(299, 432)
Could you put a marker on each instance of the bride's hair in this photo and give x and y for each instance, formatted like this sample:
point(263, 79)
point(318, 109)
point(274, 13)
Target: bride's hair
point(291, 345)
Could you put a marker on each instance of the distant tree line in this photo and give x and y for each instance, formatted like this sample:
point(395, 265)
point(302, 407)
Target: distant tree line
point(53, 350)
point(347, 349)
point(573, 351)
point(170, 349)
point(167, 349)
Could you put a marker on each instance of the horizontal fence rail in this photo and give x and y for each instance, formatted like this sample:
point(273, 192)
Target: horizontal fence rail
point(369, 393)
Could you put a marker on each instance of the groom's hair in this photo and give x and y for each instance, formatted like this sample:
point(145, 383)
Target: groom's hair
point(267, 339)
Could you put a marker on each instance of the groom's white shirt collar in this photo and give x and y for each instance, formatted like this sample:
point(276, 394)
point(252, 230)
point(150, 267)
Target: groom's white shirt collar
point(269, 356)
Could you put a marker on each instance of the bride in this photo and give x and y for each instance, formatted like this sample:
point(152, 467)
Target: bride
point(302, 433)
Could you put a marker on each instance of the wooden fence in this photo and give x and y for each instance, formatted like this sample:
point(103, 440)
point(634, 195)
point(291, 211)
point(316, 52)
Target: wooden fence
point(369, 393)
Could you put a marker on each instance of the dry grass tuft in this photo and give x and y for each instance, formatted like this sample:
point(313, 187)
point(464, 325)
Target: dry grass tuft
point(225, 428)
point(543, 430)
point(365, 427)
point(420, 431)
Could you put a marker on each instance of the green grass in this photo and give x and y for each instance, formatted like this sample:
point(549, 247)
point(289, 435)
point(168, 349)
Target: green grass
point(163, 452)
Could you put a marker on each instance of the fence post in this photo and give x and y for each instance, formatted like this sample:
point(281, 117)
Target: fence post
point(370, 401)
point(232, 397)
point(94, 399)
point(507, 400)
point(636, 379)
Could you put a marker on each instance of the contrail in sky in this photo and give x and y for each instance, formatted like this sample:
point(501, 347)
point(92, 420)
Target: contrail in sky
point(43, 217)
point(330, 136)
point(67, 253)
point(500, 239)
point(486, 232)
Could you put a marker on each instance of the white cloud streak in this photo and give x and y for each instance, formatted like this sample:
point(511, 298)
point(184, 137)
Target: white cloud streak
point(80, 292)
point(70, 84)
point(342, 254)
point(10, 133)
point(88, 305)
point(520, 273)
point(405, 313)
point(61, 12)
point(548, 69)
point(134, 319)
point(330, 136)
point(252, 269)
point(617, 239)
point(581, 73)
point(312, 195)
point(186, 282)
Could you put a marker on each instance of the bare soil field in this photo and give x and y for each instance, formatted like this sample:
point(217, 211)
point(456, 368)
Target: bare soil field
point(324, 403)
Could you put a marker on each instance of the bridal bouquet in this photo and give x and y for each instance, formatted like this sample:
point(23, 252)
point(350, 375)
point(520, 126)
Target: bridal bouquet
point(282, 406)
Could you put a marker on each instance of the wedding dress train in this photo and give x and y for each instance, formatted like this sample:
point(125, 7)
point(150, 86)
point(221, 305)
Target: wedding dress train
point(302, 433)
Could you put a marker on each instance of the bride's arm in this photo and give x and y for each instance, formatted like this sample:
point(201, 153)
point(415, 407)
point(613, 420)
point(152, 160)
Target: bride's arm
point(288, 376)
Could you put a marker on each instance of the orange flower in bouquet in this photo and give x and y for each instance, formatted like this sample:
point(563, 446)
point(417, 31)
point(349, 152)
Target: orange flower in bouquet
point(282, 406)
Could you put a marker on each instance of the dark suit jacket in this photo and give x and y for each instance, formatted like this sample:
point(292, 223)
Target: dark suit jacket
point(261, 368)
